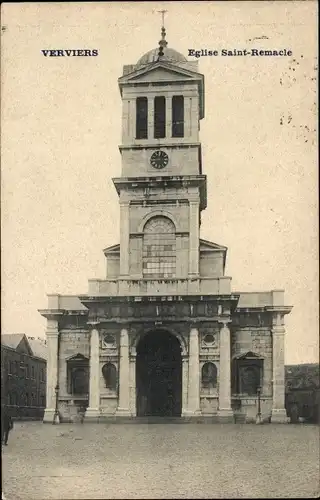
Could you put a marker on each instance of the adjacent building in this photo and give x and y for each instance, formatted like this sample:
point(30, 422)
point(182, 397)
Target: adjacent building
point(303, 392)
point(164, 333)
point(23, 375)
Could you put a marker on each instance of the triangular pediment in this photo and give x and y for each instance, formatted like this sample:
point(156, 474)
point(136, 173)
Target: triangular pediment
point(160, 72)
point(113, 250)
point(206, 245)
point(77, 358)
point(249, 355)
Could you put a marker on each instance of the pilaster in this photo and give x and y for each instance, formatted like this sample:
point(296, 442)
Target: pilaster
point(151, 117)
point(279, 414)
point(124, 238)
point(194, 238)
point(93, 411)
point(133, 394)
point(124, 375)
point(225, 412)
point(52, 336)
point(193, 400)
point(185, 370)
point(169, 116)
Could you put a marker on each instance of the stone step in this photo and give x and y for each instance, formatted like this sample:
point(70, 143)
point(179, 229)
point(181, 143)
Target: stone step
point(159, 420)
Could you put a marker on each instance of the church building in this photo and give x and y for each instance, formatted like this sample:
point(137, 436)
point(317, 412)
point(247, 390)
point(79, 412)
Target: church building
point(164, 334)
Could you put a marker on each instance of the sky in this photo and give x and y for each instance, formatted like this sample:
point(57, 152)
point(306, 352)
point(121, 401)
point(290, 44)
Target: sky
point(61, 126)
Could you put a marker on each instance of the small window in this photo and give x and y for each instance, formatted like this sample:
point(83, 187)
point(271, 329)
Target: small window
point(27, 371)
point(32, 372)
point(159, 117)
point(109, 373)
point(209, 375)
point(209, 339)
point(177, 116)
point(42, 375)
point(142, 118)
point(109, 341)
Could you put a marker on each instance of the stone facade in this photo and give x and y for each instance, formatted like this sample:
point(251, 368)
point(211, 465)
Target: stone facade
point(163, 333)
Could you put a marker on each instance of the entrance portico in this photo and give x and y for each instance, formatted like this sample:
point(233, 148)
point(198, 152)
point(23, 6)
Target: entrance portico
point(159, 375)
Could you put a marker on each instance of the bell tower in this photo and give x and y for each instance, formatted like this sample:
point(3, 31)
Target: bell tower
point(161, 189)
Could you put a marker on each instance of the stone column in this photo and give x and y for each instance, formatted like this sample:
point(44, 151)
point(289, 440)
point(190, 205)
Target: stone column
point(93, 411)
point(193, 238)
point(184, 385)
point(124, 375)
point(225, 411)
point(52, 335)
point(124, 238)
point(193, 407)
point(279, 414)
point(133, 395)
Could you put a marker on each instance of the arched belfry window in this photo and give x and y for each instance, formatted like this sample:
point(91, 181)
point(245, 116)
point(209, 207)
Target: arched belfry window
point(177, 116)
point(142, 118)
point(159, 248)
point(159, 117)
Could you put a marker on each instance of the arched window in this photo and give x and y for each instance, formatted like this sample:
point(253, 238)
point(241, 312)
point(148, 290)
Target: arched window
point(109, 373)
point(159, 248)
point(209, 375)
point(177, 116)
point(159, 117)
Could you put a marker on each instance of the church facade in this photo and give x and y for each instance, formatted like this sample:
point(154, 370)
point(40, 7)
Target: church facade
point(164, 334)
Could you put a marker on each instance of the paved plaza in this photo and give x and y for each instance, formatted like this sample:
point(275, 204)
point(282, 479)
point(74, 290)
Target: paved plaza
point(109, 461)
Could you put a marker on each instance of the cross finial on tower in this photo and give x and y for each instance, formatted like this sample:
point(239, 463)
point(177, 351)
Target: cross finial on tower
point(163, 42)
point(162, 12)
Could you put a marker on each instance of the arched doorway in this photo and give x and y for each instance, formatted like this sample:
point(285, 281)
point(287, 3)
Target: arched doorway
point(159, 375)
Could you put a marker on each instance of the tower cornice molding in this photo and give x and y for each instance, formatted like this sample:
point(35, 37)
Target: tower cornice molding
point(157, 145)
point(177, 181)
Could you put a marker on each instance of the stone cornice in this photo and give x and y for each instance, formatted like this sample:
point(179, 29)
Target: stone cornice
point(146, 181)
point(155, 145)
point(96, 299)
point(56, 314)
point(167, 181)
point(53, 314)
point(279, 309)
point(257, 309)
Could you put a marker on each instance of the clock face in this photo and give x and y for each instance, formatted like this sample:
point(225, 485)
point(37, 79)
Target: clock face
point(159, 159)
